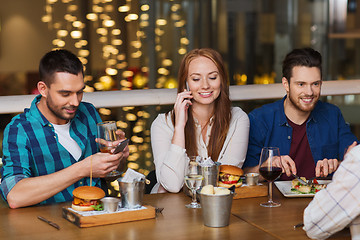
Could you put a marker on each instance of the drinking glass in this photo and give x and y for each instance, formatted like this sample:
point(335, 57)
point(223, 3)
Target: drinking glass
point(193, 180)
point(107, 134)
point(269, 170)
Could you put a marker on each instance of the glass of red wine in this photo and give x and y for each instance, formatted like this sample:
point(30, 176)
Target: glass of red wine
point(270, 169)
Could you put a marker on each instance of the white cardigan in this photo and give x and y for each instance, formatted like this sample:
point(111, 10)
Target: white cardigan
point(170, 159)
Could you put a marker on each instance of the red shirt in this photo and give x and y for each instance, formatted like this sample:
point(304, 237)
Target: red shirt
point(300, 152)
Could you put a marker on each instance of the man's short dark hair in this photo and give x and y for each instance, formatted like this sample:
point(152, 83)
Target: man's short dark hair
point(302, 57)
point(59, 60)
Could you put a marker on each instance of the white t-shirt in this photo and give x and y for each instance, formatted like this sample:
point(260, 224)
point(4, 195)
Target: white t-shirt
point(63, 132)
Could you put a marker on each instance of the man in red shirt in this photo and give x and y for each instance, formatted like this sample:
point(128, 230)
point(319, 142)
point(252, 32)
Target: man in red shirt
point(311, 135)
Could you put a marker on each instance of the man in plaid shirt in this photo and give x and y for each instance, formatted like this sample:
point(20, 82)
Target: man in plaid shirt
point(338, 205)
point(48, 149)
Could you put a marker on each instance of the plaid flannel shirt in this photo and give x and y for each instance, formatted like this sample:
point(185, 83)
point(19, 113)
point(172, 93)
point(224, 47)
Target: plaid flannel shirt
point(337, 206)
point(31, 148)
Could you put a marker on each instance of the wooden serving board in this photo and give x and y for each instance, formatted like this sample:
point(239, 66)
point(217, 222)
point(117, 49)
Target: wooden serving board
point(108, 218)
point(251, 191)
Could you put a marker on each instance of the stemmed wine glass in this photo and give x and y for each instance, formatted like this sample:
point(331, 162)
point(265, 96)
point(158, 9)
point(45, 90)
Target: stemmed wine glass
point(270, 169)
point(193, 180)
point(107, 134)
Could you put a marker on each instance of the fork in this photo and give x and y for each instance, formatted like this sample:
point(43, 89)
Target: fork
point(310, 181)
point(159, 210)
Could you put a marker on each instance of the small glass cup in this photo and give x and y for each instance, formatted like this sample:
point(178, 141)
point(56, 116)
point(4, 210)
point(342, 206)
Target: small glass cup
point(252, 179)
point(110, 204)
point(106, 135)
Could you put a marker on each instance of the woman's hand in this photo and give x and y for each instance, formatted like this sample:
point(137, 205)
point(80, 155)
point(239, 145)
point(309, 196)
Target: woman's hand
point(181, 107)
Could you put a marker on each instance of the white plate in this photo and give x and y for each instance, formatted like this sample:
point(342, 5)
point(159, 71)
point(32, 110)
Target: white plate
point(285, 188)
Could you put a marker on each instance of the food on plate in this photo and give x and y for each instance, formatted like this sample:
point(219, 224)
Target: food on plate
point(87, 198)
point(208, 189)
point(298, 187)
point(230, 175)
point(211, 190)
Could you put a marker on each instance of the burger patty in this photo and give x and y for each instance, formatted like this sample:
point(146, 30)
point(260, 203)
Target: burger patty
point(225, 177)
point(83, 202)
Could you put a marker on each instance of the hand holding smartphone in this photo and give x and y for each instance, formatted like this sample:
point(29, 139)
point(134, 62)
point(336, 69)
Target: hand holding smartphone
point(121, 146)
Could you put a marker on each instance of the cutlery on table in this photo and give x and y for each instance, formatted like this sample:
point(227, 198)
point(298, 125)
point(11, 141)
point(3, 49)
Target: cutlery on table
point(159, 210)
point(300, 180)
point(49, 222)
point(298, 225)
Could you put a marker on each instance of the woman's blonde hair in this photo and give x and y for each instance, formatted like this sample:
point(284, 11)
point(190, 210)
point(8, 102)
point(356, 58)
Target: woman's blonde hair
point(222, 109)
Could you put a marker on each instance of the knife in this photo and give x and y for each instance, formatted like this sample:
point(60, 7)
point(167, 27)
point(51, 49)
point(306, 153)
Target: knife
point(298, 225)
point(300, 180)
point(49, 222)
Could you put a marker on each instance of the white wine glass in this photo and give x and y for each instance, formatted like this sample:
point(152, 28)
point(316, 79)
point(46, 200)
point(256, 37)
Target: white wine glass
point(193, 180)
point(106, 135)
point(270, 169)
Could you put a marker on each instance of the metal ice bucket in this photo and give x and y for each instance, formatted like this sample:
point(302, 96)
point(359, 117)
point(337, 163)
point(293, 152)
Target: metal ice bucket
point(216, 209)
point(210, 174)
point(132, 193)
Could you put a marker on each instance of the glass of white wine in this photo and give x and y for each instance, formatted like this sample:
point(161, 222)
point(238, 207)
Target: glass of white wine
point(193, 180)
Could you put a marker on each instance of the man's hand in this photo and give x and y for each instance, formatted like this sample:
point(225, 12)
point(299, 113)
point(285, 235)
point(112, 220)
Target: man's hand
point(287, 164)
point(103, 163)
point(325, 167)
point(125, 152)
point(120, 134)
point(112, 144)
point(349, 148)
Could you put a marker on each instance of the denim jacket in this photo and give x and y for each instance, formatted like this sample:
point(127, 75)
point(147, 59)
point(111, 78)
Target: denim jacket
point(327, 132)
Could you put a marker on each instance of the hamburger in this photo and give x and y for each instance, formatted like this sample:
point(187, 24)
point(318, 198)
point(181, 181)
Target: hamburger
point(87, 198)
point(230, 175)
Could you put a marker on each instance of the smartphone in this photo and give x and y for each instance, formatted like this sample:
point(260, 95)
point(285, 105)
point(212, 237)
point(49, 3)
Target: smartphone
point(121, 146)
point(187, 89)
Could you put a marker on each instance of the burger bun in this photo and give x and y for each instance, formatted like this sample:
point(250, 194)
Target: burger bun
point(88, 193)
point(230, 169)
point(82, 208)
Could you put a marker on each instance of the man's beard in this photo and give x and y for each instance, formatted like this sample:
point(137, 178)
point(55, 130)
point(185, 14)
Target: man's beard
point(58, 111)
point(296, 103)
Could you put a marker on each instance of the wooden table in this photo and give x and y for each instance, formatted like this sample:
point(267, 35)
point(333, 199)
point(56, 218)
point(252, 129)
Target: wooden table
point(279, 221)
point(175, 222)
point(248, 221)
